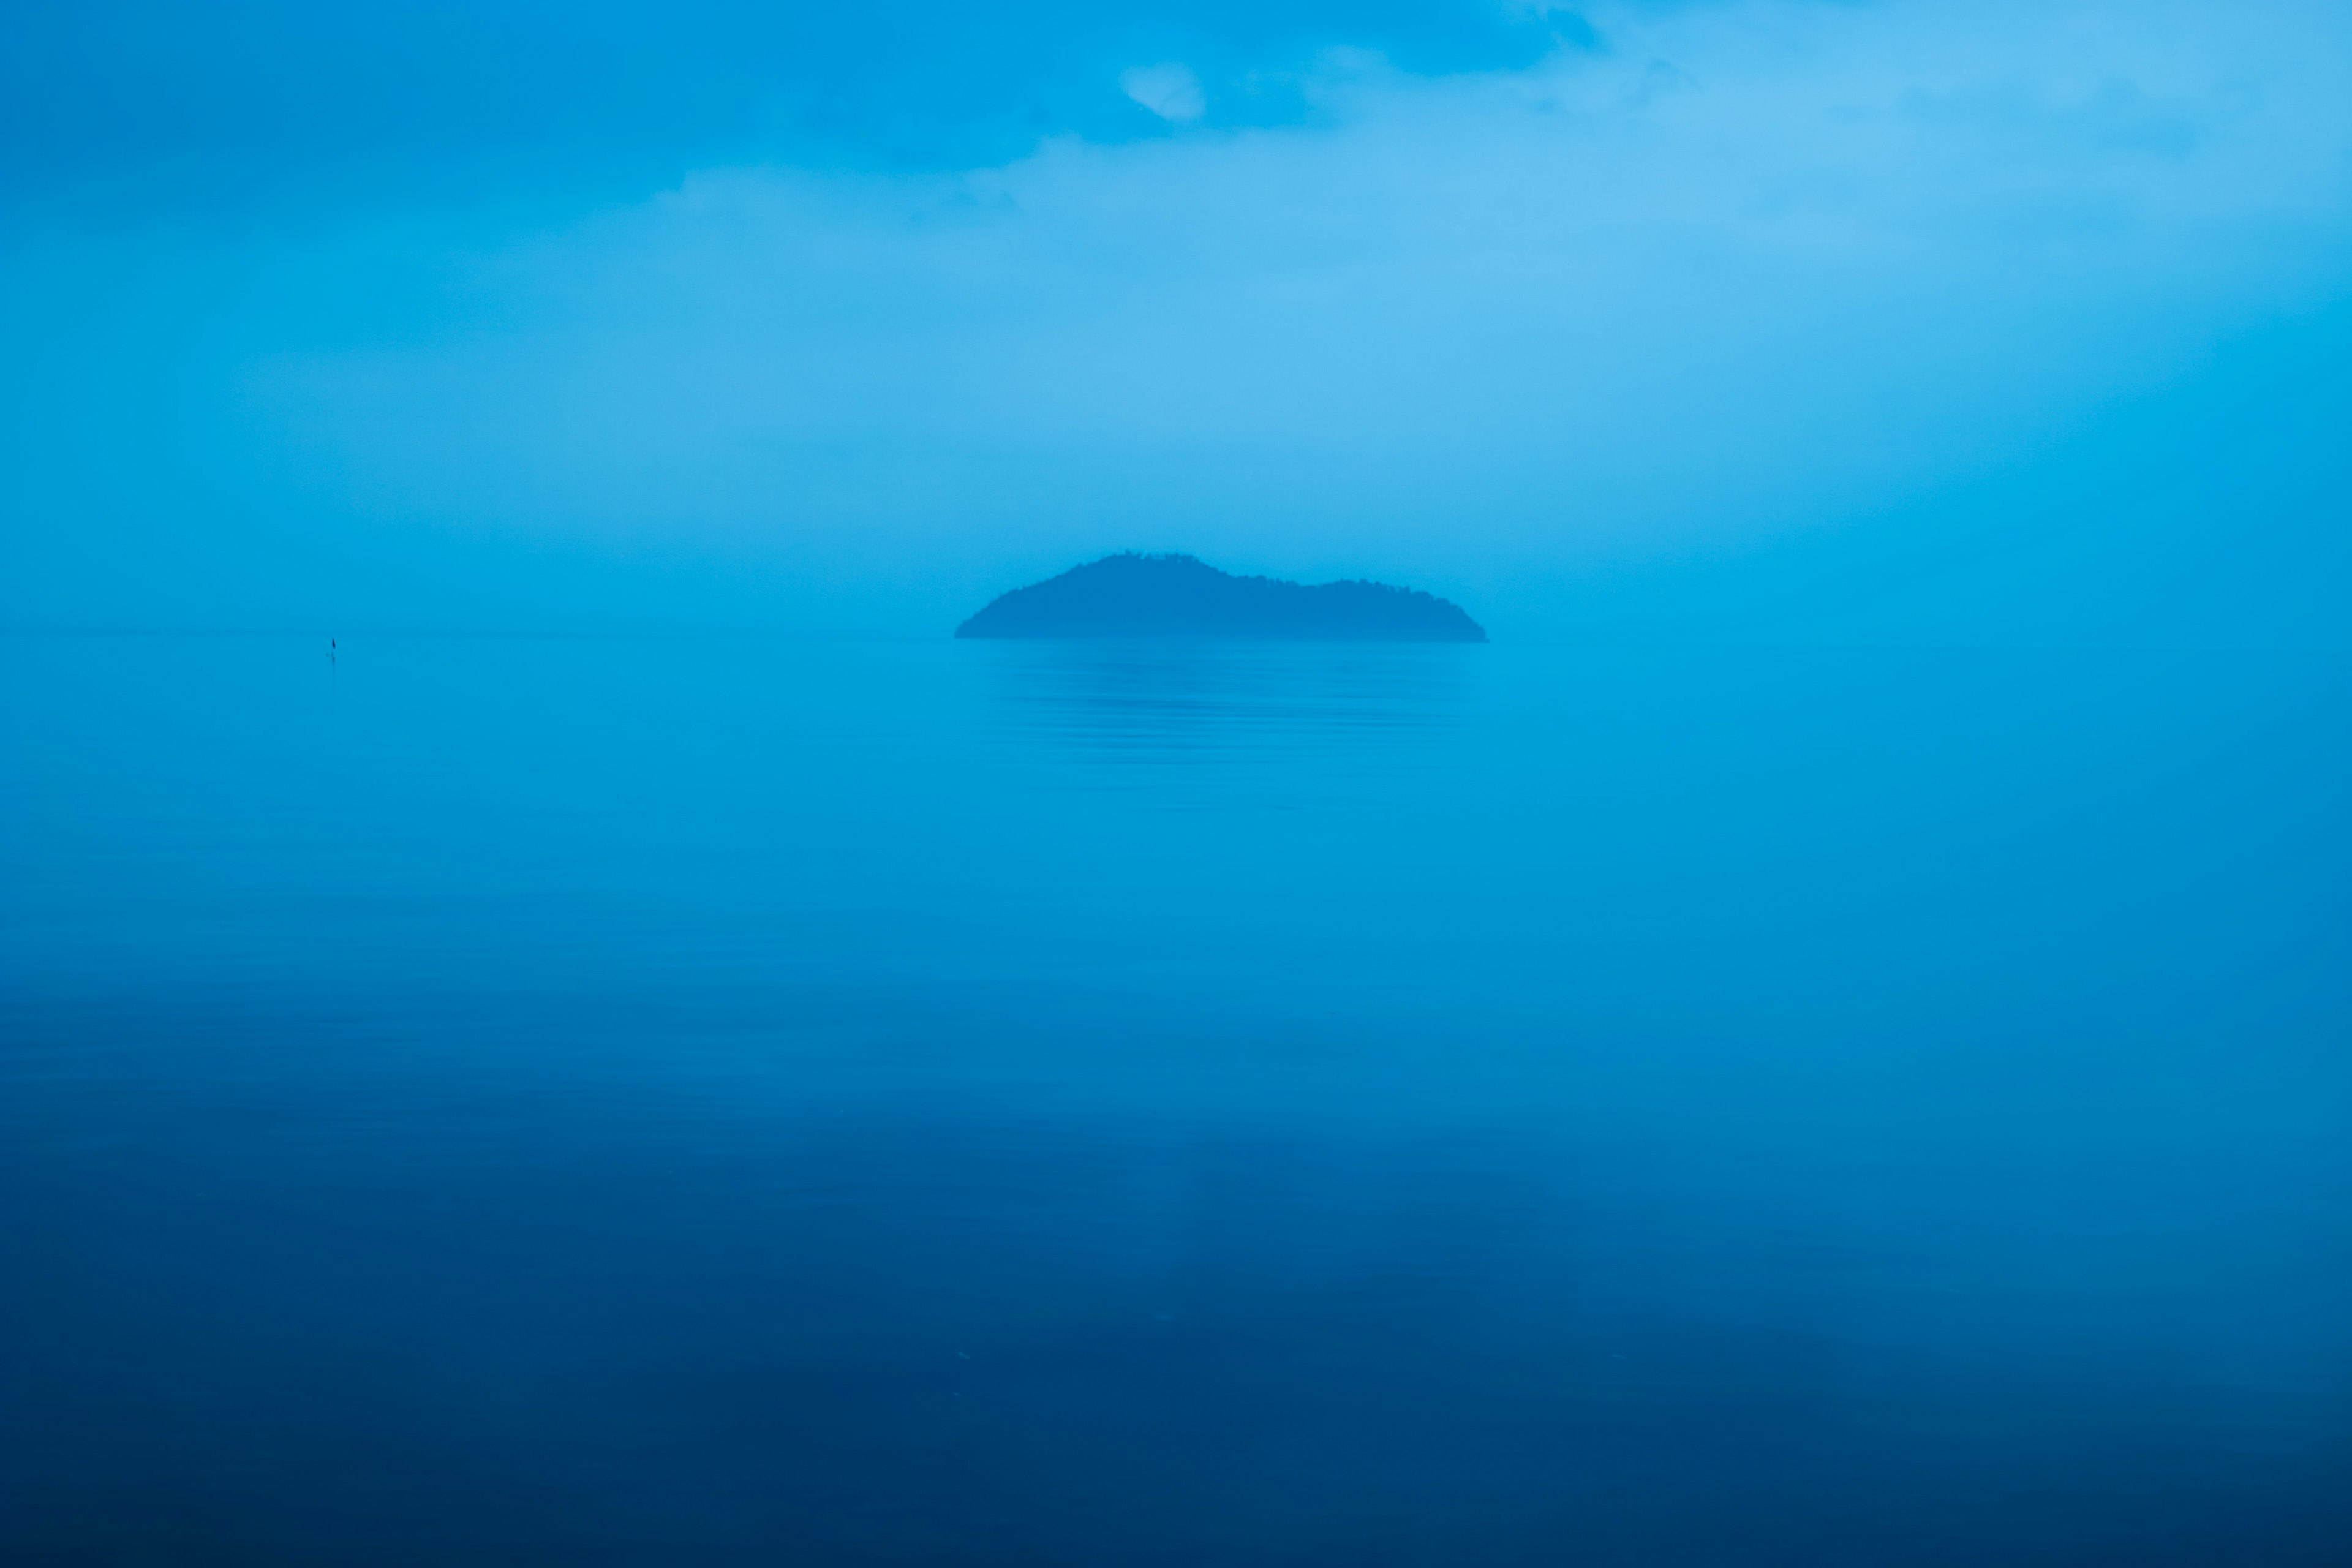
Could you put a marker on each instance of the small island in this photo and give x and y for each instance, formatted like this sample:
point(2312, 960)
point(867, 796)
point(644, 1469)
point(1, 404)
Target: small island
point(1133, 595)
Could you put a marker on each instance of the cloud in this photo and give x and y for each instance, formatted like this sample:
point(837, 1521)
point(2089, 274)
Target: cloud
point(1171, 91)
point(1571, 271)
point(1749, 270)
point(115, 105)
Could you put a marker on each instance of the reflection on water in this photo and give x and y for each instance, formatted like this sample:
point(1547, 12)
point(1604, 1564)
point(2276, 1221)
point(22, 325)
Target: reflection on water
point(519, 1102)
point(1179, 696)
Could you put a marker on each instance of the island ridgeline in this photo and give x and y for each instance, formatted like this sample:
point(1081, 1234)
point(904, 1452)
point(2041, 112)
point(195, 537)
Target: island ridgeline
point(1133, 595)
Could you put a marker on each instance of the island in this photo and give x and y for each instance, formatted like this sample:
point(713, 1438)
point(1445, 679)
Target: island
point(1133, 595)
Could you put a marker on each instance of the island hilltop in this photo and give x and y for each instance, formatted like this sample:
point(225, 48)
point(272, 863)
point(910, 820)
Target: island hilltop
point(1178, 596)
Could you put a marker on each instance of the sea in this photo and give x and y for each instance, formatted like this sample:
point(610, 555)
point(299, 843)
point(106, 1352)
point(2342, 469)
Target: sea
point(563, 1100)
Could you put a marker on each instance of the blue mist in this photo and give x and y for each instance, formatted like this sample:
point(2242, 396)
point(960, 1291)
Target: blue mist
point(725, 1102)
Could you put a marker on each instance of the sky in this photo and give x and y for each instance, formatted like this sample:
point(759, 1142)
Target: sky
point(1882, 320)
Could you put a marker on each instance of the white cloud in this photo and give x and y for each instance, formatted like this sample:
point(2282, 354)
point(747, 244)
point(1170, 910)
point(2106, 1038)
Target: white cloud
point(1170, 90)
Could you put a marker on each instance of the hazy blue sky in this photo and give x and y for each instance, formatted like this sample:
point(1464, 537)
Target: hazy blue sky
point(1931, 319)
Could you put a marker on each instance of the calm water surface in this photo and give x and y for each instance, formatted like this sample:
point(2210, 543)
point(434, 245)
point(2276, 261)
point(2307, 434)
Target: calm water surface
point(727, 1102)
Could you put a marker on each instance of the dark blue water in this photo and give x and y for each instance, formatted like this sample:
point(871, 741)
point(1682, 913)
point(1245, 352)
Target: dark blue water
point(729, 1103)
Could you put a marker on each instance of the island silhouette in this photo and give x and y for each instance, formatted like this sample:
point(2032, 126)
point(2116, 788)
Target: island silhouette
point(1136, 596)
